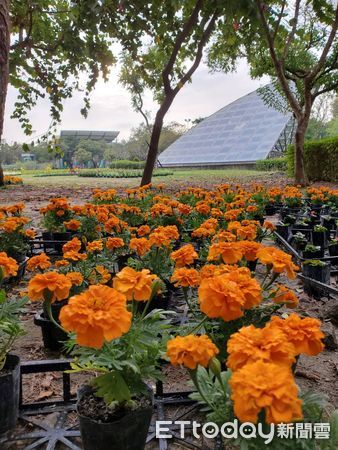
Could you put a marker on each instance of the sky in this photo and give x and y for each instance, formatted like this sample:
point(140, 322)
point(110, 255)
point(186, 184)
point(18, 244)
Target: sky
point(111, 106)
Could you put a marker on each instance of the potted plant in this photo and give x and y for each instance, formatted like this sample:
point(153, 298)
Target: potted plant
point(313, 252)
point(282, 229)
point(13, 239)
point(319, 236)
point(302, 224)
point(299, 241)
point(318, 270)
point(329, 222)
point(121, 348)
point(333, 247)
point(10, 329)
point(55, 214)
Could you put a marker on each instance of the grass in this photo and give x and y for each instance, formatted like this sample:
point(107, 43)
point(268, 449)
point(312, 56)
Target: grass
point(192, 176)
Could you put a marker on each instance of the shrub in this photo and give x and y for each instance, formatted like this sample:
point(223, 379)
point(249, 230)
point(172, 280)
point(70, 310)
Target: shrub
point(119, 173)
point(272, 164)
point(320, 159)
point(126, 164)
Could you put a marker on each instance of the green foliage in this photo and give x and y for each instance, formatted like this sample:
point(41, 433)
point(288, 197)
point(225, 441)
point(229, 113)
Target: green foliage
point(52, 43)
point(273, 164)
point(10, 327)
point(125, 364)
point(126, 164)
point(320, 159)
point(120, 173)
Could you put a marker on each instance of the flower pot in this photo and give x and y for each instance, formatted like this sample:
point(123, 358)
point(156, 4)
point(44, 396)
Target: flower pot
point(252, 265)
point(270, 210)
point(52, 336)
point(9, 393)
point(313, 255)
point(122, 260)
point(158, 302)
point(319, 273)
point(329, 223)
point(60, 236)
point(319, 238)
point(128, 431)
point(333, 250)
point(283, 231)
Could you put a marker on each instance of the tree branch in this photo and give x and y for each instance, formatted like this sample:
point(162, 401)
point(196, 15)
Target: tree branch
point(188, 26)
point(204, 39)
point(326, 49)
point(277, 63)
point(279, 20)
point(292, 32)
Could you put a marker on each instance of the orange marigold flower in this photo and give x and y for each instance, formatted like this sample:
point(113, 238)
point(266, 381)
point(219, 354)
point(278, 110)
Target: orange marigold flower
point(75, 278)
point(252, 344)
point(73, 245)
point(248, 232)
point(8, 265)
point(114, 242)
point(185, 277)
point(75, 256)
point(269, 225)
point(249, 286)
point(41, 261)
point(140, 245)
point(57, 285)
point(143, 230)
point(94, 246)
point(184, 256)
point(159, 239)
point(279, 260)
point(283, 295)
point(72, 225)
point(191, 351)
point(224, 236)
point(96, 315)
point(230, 252)
point(271, 387)
point(61, 263)
point(31, 234)
point(220, 297)
point(135, 285)
point(203, 208)
point(249, 249)
point(305, 334)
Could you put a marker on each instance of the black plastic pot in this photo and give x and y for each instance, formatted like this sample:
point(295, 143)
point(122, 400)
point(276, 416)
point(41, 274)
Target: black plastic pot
point(122, 260)
point(158, 302)
point(55, 236)
point(9, 393)
point(270, 210)
point(283, 230)
point(287, 211)
point(299, 245)
point(127, 433)
point(319, 273)
point(313, 255)
point(329, 223)
point(319, 238)
point(333, 250)
point(252, 265)
point(58, 236)
point(52, 336)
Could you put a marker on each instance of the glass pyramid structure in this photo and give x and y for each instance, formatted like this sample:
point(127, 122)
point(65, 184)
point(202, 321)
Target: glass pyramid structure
point(241, 132)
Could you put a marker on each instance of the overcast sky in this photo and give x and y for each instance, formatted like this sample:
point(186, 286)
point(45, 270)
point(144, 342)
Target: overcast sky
point(111, 107)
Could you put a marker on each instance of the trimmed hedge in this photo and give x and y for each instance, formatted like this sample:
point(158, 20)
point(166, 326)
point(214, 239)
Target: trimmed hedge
point(122, 173)
point(320, 159)
point(126, 164)
point(273, 164)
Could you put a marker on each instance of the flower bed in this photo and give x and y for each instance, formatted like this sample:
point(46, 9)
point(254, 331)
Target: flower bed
point(108, 294)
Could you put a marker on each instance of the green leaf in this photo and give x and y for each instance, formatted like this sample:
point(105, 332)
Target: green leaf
point(111, 387)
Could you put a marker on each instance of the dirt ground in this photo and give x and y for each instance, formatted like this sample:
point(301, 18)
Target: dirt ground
point(317, 373)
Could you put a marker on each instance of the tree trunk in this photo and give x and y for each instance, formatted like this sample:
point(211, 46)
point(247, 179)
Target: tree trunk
point(155, 139)
point(4, 67)
point(300, 175)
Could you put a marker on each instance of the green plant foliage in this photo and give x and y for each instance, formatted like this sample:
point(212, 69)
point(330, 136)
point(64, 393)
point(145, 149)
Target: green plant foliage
point(320, 159)
point(273, 164)
point(121, 173)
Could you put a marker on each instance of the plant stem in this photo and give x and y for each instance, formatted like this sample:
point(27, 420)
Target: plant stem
point(50, 315)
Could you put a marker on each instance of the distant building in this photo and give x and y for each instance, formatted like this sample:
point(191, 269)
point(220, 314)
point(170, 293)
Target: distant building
point(107, 136)
point(27, 157)
point(238, 134)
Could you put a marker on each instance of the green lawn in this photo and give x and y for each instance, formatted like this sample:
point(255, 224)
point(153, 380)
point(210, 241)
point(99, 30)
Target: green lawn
point(193, 176)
